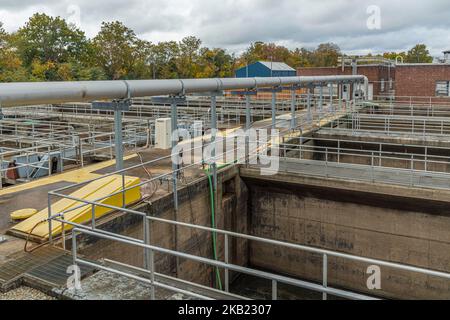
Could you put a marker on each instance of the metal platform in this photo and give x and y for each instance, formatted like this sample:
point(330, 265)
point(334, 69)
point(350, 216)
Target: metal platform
point(44, 268)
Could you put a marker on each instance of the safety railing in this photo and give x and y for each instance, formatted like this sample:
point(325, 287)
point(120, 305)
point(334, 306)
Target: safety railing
point(417, 126)
point(150, 249)
point(60, 141)
point(413, 102)
point(373, 161)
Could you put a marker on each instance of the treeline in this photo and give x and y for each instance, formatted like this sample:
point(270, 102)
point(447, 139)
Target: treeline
point(50, 49)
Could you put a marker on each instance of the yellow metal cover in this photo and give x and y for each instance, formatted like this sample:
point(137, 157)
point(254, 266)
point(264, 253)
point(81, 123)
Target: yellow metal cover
point(91, 192)
point(23, 214)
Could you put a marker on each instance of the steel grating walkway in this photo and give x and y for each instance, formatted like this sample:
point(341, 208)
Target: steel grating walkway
point(402, 177)
point(47, 265)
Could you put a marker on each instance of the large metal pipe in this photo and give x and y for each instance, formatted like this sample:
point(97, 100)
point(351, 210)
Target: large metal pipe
point(35, 93)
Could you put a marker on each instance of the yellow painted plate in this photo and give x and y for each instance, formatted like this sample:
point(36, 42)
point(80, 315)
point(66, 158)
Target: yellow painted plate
point(23, 214)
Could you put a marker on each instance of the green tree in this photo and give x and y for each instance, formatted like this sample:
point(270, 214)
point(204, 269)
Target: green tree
point(163, 60)
point(142, 54)
point(326, 55)
point(215, 63)
point(260, 51)
point(49, 39)
point(11, 69)
point(419, 54)
point(188, 57)
point(301, 57)
point(114, 49)
point(395, 55)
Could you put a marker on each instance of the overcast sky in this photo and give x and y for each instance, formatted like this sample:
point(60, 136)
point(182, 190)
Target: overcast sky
point(233, 24)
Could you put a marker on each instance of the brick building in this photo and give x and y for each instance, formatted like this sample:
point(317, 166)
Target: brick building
point(397, 80)
point(381, 77)
point(423, 80)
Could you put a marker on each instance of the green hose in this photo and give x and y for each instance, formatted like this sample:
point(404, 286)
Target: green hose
point(214, 235)
point(213, 221)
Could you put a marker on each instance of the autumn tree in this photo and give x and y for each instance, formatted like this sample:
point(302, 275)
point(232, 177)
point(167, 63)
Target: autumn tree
point(215, 63)
point(163, 60)
point(11, 68)
point(260, 51)
point(50, 48)
point(419, 54)
point(188, 57)
point(114, 48)
point(395, 55)
point(326, 55)
point(49, 39)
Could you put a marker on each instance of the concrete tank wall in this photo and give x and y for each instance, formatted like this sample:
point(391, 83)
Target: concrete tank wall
point(396, 229)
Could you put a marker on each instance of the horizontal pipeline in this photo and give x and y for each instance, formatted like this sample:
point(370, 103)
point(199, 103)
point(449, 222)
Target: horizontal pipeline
point(36, 93)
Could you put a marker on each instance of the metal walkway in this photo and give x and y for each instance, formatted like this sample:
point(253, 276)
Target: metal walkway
point(45, 267)
point(403, 177)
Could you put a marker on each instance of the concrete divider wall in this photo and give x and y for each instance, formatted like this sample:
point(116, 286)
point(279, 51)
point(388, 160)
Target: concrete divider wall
point(403, 230)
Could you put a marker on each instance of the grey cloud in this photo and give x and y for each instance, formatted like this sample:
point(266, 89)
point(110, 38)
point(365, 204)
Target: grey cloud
point(234, 24)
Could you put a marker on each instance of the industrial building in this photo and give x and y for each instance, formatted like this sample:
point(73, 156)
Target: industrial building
point(266, 69)
point(297, 196)
point(395, 79)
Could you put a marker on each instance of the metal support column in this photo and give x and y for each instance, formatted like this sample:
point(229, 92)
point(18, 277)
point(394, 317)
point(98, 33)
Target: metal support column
point(321, 99)
point(274, 112)
point(175, 138)
point(248, 123)
point(174, 126)
point(248, 118)
point(213, 141)
point(293, 108)
point(308, 103)
point(248, 115)
point(118, 138)
point(331, 97)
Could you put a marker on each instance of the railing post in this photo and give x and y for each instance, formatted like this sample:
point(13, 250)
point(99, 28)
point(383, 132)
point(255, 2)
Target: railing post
point(149, 261)
point(74, 248)
point(50, 231)
point(123, 191)
point(274, 290)
point(49, 162)
point(325, 276)
point(339, 151)
point(227, 261)
point(63, 231)
point(110, 147)
point(93, 217)
point(372, 167)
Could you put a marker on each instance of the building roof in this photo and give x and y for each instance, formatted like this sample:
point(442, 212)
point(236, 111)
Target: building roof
point(434, 64)
point(277, 66)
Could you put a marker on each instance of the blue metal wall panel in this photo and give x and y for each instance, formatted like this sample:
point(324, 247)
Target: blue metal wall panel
point(259, 70)
point(254, 70)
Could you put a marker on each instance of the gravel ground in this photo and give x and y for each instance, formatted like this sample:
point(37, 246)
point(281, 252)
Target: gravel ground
point(24, 293)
